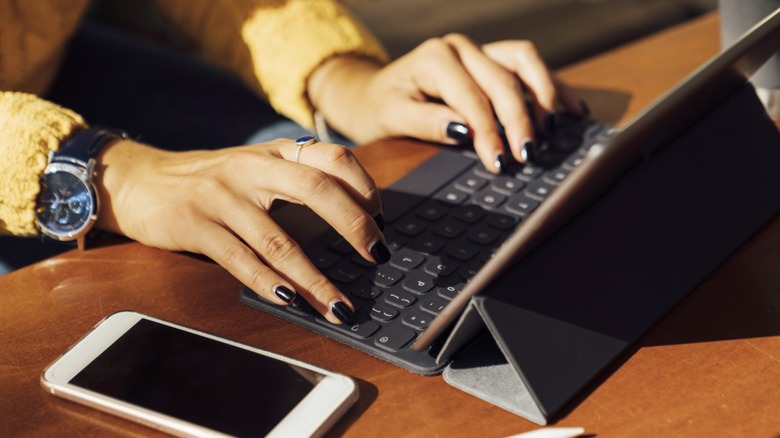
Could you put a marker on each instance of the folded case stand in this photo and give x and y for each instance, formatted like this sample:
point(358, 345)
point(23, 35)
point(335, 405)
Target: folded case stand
point(568, 310)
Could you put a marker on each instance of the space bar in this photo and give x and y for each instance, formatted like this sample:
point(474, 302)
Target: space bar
point(422, 182)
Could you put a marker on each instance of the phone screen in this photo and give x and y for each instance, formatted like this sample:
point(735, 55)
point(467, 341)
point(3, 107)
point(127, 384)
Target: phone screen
point(197, 379)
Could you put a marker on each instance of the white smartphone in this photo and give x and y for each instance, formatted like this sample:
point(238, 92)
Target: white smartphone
point(189, 383)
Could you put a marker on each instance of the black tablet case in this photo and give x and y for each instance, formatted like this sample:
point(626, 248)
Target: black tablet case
point(573, 306)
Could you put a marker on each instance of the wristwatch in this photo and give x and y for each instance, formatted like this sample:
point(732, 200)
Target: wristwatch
point(67, 205)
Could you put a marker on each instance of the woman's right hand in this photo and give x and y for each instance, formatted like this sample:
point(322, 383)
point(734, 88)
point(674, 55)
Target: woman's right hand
point(447, 90)
point(217, 203)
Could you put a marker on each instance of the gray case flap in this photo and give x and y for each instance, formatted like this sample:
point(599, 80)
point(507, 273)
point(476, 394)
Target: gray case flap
point(485, 373)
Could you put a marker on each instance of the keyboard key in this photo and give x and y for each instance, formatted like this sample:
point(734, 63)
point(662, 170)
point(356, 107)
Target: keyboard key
point(431, 211)
point(394, 338)
point(386, 276)
point(469, 214)
point(529, 172)
point(394, 240)
point(433, 304)
point(400, 298)
point(383, 312)
point(449, 230)
point(572, 162)
point(450, 292)
point(428, 244)
point(345, 273)
point(406, 259)
point(483, 235)
point(502, 221)
point(410, 227)
point(440, 267)
point(419, 283)
point(539, 190)
point(451, 196)
point(556, 177)
point(361, 331)
point(507, 185)
point(462, 251)
point(417, 320)
point(489, 199)
point(522, 205)
point(470, 183)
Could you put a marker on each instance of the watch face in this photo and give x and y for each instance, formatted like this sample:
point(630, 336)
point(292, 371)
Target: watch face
point(65, 205)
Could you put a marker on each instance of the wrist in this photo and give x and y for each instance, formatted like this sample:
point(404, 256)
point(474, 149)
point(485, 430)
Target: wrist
point(116, 169)
point(337, 91)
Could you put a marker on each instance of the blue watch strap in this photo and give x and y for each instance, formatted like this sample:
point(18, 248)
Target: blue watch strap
point(87, 143)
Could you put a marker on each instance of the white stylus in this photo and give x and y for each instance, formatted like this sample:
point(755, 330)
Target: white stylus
point(552, 432)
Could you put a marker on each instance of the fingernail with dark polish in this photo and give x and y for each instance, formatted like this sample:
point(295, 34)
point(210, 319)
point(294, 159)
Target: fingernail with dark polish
point(380, 221)
point(529, 151)
point(500, 162)
point(285, 294)
point(342, 312)
point(459, 132)
point(380, 252)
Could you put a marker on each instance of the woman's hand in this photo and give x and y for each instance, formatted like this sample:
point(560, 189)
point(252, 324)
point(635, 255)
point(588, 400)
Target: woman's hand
point(217, 203)
point(476, 84)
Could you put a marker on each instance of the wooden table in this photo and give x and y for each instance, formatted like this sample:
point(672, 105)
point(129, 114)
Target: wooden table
point(711, 367)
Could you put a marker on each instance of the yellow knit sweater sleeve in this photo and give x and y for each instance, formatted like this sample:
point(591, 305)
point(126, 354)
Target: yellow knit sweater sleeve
point(274, 45)
point(29, 129)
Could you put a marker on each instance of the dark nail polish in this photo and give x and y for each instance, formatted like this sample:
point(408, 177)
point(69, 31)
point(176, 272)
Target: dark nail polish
point(529, 151)
point(380, 221)
point(285, 294)
point(342, 312)
point(500, 163)
point(380, 252)
point(459, 132)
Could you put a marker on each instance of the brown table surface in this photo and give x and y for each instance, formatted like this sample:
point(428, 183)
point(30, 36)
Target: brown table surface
point(711, 367)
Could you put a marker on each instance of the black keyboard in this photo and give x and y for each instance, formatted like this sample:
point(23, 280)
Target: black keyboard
point(444, 220)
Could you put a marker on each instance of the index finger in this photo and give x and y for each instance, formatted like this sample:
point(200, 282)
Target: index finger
point(442, 75)
point(329, 195)
point(522, 58)
point(285, 259)
point(341, 165)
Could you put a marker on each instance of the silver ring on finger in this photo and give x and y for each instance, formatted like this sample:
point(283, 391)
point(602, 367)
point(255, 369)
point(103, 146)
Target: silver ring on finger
point(301, 142)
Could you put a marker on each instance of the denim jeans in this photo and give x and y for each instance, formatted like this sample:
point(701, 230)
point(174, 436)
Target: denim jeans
point(159, 95)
